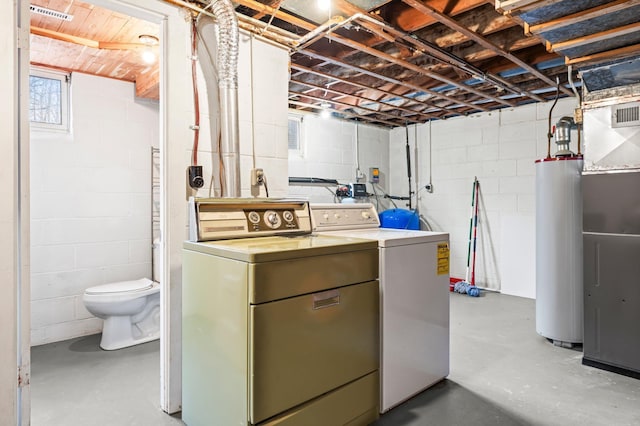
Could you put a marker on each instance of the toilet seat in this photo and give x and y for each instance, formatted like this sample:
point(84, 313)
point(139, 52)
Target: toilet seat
point(121, 287)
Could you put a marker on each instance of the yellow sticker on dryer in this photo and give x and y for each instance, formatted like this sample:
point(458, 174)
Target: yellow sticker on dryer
point(443, 258)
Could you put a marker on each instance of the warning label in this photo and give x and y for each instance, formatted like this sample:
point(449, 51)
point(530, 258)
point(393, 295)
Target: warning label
point(443, 258)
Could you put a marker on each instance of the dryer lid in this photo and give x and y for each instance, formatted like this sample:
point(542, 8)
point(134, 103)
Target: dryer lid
point(121, 286)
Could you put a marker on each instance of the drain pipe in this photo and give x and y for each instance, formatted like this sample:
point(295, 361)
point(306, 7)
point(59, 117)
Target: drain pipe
point(227, 65)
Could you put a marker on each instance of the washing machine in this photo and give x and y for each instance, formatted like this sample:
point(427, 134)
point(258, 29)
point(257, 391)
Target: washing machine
point(414, 298)
point(279, 326)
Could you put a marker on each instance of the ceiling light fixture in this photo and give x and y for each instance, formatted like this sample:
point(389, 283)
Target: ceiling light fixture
point(150, 41)
point(326, 110)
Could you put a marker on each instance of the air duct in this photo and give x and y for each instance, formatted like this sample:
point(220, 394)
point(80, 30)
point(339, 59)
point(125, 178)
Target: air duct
point(224, 69)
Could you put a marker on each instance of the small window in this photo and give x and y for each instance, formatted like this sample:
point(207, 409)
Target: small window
point(295, 133)
point(49, 99)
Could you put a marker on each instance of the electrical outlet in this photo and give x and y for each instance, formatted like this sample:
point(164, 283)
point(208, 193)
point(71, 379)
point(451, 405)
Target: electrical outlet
point(257, 177)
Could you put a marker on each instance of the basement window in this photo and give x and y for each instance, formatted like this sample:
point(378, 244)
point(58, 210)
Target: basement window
point(49, 99)
point(295, 133)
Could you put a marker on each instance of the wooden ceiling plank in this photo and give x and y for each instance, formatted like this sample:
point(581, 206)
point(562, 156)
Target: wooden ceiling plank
point(582, 16)
point(419, 5)
point(80, 17)
point(411, 20)
point(147, 85)
point(597, 37)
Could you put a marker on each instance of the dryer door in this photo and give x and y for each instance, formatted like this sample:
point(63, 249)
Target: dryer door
point(305, 346)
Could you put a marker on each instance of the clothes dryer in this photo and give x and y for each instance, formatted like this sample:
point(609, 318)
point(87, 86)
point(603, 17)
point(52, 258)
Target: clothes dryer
point(279, 326)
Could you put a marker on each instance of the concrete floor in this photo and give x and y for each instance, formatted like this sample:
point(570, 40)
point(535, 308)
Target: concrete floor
point(502, 373)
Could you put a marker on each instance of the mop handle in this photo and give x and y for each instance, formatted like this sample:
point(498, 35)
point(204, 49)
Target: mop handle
point(473, 193)
point(475, 235)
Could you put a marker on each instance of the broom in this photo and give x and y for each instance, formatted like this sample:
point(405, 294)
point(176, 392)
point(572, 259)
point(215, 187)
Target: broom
point(466, 287)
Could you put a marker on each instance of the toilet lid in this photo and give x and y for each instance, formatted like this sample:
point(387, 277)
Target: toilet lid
point(121, 286)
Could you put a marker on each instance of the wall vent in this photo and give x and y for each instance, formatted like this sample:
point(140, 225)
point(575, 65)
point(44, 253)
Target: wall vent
point(50, 13)
point(625, 115)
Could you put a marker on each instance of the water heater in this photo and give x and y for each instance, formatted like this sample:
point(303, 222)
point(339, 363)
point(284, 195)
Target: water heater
point(559, 283)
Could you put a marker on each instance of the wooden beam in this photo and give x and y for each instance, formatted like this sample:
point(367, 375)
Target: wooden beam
point(597, 37)
point(376, 53)
point(410, 20)
point(362, 86)
point(582, 16)
point(394, 81)
point(56, 35)
point(450, 22)
point(382, 104)
point(620, 53)
point(347, 113)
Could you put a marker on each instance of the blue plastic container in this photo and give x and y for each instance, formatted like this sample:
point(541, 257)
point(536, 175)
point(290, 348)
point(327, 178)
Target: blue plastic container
point(399, 219)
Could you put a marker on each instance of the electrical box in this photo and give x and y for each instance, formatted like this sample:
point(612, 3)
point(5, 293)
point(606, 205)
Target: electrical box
point(374, 175)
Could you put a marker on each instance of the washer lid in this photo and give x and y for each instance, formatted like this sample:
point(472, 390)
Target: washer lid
point(121, 287)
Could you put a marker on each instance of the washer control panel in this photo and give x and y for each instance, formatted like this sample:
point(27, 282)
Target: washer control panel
point(226, 218)
point(333, 217)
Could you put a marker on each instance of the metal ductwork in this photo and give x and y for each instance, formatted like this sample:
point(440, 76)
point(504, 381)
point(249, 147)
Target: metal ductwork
point(224, 69)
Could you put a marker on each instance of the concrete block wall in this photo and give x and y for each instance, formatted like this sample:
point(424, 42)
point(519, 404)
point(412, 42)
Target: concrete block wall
point(500, 148)
point(91, 204)
point(328, 150)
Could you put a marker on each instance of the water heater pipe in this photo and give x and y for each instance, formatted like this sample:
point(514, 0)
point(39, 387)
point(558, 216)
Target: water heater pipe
point(549, 133)
point(578, 98)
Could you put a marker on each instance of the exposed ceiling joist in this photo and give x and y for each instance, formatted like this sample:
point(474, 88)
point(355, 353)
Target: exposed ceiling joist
point(450, 22)
point(396, 61)
point(386, 93)
point(347, 113)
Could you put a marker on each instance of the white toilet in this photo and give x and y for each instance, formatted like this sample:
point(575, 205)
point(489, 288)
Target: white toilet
point(130, 310)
